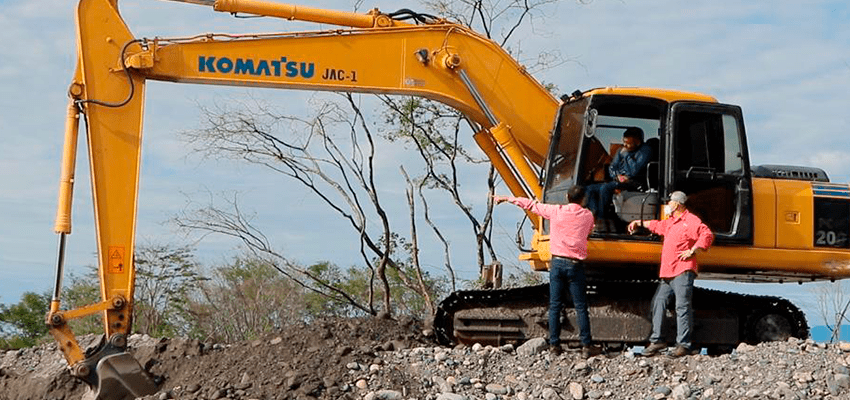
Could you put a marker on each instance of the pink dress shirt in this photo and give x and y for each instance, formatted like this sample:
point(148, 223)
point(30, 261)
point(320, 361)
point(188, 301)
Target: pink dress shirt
point(680, 233)
point(569, 226)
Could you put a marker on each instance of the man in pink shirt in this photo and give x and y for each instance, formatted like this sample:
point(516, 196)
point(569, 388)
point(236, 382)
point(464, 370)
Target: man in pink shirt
point(684, 234)
point(569, 227)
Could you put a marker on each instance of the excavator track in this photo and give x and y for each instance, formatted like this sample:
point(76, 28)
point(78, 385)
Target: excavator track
point(619, 315)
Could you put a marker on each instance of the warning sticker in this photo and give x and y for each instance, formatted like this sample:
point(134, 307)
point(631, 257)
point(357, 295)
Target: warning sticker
point(116, 259)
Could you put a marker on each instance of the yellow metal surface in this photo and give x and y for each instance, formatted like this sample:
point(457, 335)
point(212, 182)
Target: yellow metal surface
point(66, 176)
point(502, 134)
point(540, 255)
point(730, 259)
point(374, 61)
point(777, 251)
point(794, 215)
point(114, 145)
point(816, 262)
point(764, 213)
point(87, 310)
point(820, 263)
point(67, 344)
point(661, 94)
point(303, 13)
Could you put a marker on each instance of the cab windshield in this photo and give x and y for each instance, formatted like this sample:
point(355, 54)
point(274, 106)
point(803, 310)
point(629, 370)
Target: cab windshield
point(594, 145)
point(563, 152)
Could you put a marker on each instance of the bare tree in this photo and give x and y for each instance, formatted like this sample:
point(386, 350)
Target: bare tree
point(833, 302)
point(334, 158)
point(434, 129)
point(212, 219)
point(414, 240)
point(500, 20)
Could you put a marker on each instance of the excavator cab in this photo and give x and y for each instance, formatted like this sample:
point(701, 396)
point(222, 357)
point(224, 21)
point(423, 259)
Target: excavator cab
point(696, 146)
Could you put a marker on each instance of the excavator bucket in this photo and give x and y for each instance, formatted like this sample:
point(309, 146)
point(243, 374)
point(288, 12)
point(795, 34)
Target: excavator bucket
point(121, 377)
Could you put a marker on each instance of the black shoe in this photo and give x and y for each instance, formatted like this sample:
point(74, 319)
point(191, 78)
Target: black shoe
point(653, 349)
point(586, 352)
point(555, 349)
point(600, 226)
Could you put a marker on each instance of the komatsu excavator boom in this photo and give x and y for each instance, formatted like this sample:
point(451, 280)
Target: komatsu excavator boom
point(772, 223)
point(380, 54)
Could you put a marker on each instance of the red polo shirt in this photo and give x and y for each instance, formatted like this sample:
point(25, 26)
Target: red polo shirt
point(680, 233)
point(569, 226)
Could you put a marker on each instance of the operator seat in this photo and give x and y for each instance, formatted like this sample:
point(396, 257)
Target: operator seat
point(642, 203)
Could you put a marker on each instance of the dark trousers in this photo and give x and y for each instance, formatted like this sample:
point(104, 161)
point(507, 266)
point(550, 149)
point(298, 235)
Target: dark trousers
point(567, 274)
point(599, 195)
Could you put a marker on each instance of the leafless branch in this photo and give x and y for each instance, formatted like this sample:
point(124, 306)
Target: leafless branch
point(235, 224)
point(414, 250)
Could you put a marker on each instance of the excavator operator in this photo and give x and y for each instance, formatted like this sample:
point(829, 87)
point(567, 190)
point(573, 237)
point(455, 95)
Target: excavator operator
point(626, 166)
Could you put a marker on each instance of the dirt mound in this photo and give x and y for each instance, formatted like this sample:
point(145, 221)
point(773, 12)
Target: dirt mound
point(302, 362)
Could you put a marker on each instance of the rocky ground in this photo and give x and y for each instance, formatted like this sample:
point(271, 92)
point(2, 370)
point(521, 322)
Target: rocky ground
point(381, 360)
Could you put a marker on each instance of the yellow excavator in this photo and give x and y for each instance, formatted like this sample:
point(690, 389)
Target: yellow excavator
point(772, 223)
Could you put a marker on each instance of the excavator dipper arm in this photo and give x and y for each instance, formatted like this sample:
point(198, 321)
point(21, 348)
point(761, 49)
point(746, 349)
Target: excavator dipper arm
point(442, 61)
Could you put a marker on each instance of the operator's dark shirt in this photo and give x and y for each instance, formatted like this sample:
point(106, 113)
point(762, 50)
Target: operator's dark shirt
point(630, 163)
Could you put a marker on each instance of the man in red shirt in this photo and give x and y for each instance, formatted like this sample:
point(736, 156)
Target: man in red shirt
point(684, 234)
point(569, 227)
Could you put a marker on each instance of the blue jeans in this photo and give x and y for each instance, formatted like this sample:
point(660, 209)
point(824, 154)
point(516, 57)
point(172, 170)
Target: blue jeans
point(682, 287)
point(598, 196)
point(563, 274)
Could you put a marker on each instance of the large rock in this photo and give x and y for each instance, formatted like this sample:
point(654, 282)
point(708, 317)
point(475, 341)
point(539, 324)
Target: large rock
point(532, 347)
point(576, 390)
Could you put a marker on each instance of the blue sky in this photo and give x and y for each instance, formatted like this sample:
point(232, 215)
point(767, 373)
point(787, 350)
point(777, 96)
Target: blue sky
point(786, 63)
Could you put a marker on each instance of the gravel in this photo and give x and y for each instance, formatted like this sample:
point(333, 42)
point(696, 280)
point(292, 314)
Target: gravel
point(385, 360)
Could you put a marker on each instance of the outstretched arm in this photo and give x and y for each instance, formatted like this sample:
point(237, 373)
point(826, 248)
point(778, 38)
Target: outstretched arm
point(521, 202)
point(635, 224)
point(536, 207)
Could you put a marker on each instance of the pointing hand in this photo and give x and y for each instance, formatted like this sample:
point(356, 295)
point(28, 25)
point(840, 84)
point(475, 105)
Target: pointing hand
point(632, 227)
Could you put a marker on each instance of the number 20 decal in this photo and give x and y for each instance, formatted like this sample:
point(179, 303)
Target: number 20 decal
point(829, 238)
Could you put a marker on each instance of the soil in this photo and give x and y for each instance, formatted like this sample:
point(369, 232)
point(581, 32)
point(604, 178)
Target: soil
point(304, 362)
